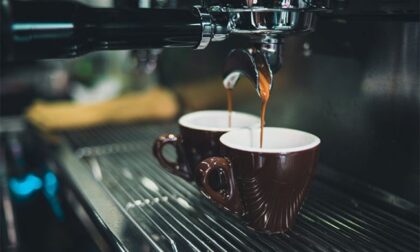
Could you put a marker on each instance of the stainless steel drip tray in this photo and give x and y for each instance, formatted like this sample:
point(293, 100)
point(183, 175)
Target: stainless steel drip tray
point(141, 207)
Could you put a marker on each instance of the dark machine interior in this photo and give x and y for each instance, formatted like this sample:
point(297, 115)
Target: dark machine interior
point(354, 82)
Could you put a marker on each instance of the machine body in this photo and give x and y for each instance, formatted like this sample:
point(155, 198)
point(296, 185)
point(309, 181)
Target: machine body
point(41, 29)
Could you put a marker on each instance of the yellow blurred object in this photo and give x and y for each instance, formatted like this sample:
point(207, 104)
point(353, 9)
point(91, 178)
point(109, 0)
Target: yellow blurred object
point(152, 105)
point(210, 93)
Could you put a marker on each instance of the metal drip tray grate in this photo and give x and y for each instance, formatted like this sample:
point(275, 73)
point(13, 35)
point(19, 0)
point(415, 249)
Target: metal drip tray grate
point(169, 214)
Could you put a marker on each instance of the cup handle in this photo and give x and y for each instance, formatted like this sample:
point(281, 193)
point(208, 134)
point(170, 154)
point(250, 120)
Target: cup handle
point(176, 168)
point(229, 199)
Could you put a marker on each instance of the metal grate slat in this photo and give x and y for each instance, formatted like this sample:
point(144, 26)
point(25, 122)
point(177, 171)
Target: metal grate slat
point(173, 216)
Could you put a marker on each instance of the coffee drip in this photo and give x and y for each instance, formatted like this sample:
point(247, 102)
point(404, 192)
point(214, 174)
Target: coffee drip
point(264, 88)
point(253, 64)
point(229, 105)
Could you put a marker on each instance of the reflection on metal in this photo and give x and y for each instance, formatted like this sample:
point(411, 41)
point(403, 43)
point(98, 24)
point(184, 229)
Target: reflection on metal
point(126, 172)
point(10, 220)
point(149, 184)
point(50, 183)
point(392, 68)
point(183, 203)
point(41, 26)
point(142, 203)
point(96, 169)
point(111, 148)
point(10, 238)
point(12, 124)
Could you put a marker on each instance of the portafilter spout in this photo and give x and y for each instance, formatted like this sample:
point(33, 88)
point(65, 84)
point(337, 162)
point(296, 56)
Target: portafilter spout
point(251, 63)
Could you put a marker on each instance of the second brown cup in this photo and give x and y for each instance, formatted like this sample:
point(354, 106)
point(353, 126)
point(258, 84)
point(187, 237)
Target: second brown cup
point(266, 186)
point(198, 139)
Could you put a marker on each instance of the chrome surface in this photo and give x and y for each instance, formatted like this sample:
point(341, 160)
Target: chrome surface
point(144, 208)
point(259, 5)
point(9, 239)
point(262, 9)
point(259, 20)
point(262, 17)
point(11, 124)
point(276, 22)
point(206, 26)
point(266, 23)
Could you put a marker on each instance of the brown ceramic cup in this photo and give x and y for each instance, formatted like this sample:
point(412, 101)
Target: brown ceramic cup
point(266, 186)
point(198, 139)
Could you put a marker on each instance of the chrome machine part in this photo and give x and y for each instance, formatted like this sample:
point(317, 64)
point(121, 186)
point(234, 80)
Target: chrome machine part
point(260, 20)
point(265, 23)
point(206, 26)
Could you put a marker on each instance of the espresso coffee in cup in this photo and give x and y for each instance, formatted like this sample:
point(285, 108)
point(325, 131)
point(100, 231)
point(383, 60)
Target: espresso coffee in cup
point(266, 186)
point(199, 138)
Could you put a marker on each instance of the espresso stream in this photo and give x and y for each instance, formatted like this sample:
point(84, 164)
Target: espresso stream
point(229, 105)
point(264, 94)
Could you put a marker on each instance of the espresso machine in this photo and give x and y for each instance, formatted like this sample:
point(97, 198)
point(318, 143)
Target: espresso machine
point(42, 29)
point(346, 70)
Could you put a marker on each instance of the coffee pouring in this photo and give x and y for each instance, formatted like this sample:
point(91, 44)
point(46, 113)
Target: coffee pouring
point(253, 64)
